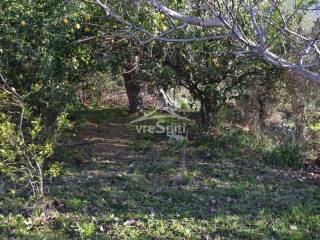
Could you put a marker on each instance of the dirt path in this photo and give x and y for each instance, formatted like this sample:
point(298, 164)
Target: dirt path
point(105, 147)
point(110, 143)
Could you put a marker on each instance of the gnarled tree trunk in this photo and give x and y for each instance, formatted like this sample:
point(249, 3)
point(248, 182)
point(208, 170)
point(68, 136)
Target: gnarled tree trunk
point(132, 84)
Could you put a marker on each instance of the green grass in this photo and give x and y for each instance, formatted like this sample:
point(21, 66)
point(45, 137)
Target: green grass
point(103, 198)
point(288, 154)
point(98, 116)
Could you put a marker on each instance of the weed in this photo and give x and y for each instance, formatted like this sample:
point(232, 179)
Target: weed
point(85, 229)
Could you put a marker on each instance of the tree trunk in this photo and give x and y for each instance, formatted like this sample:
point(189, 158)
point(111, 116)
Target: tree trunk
point(297, 88)
point(207, 114)
point(132, 84)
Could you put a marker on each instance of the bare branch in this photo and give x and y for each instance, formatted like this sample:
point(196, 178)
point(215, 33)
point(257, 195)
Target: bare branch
point(226, 17)
point(191, 39)
point(215, 22)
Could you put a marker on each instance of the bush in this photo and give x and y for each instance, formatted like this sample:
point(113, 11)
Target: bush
point(22, 159)
point(25, 142)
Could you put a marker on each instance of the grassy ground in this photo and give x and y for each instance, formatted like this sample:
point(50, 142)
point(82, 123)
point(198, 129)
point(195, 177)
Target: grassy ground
point(116, 184)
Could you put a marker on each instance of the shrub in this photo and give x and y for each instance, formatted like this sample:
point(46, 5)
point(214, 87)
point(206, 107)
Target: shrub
point(25, 142)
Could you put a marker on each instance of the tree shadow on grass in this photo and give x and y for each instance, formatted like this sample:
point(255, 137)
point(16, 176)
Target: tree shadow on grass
point(129, 190)
point(227, 197)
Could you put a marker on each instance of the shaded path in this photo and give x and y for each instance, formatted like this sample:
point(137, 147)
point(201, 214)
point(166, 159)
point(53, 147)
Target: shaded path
point(144, 195)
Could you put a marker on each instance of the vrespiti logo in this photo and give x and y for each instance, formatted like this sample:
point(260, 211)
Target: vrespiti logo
point(161, 114)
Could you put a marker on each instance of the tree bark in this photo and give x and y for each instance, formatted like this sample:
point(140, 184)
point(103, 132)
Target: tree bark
point(298, 90)
point(132, 85)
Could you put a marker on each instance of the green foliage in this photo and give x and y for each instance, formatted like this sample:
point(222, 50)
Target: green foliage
point(41, 53)
point(74, 203)
point(141, 145)
point(55, 169)
point(231, 142)
point(36, 55)
point(25, 145)
point(182, 144)
point(97, 116)
point(8, 137)
point(85, 229)
point(63, 122)
point(288, 154)
point(315, 127)
point(106, 201)
point(14, 147)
